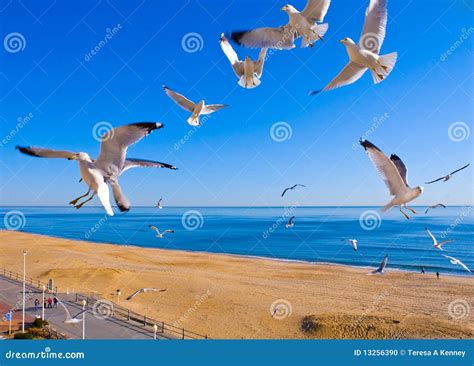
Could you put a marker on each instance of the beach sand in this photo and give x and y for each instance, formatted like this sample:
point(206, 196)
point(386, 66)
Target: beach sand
point(231, 297)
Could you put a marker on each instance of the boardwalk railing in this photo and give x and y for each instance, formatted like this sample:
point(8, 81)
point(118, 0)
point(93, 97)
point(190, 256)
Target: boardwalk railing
point(112, 309)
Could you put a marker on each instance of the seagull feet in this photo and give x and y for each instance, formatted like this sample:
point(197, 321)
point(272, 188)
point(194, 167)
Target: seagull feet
point(412, 210)
point(73, 202)
point(404, 214)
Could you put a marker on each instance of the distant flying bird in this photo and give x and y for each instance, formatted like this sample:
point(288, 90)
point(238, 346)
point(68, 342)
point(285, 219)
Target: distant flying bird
point(434, 206)
point(71, 319)
point(394, 173)
point(457, 262)
point(300, 24)
point(110, 164)
point(158, 205)
point(158, 234)
point(248, 71)
point(353, 243)
point(381, 268)
point(449, 176)
point(366, 54)
point(290, 223)
point(435, 241)
point(196, 109)
point(291, 188)
point(142, 290)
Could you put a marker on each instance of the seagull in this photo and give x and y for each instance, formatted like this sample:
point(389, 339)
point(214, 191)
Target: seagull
point(71, 319)
point(457, 261)
point(394, 174)
point(110, 164)
point(366, 54)
point(290, 223)
point(381, 268)
point(434, 206)
point(158, 234)
point(142, 290)
point(292, 187)
point(249, 72)
point(435, 241)
point(353, 243)
point(196, 109)
point(300, 24)
point(449, 176)
point(158, 205)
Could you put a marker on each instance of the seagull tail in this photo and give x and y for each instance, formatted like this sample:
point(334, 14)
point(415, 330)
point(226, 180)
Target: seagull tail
point(318, 31)
point(194, 121)
point(253, 84)
point(387, 63)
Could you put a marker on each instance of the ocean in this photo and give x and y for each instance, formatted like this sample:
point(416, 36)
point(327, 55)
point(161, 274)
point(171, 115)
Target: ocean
point(257, 231)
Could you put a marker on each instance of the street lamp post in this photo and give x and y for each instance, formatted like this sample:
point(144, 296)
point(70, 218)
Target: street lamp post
point(84, 303)
point(155, 329)
point(24, 290)
point(42, 304)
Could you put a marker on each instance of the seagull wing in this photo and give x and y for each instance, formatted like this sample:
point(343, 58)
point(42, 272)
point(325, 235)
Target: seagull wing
point(280, 38)
point(440, 244)
point(449, 257)
point(153, 227)
point(68, 314)
point(402, 169)
point(463, 265)
point(211, 108)
point(179, 99)
point(316, 10)
point(436, 180)
point(237, 65)
point(154, 289)
point(141, 163)
point(134, 294)
point(385, 167)
point(383, 264)
point(259, 64)
point(284, 191)
point(290, 221)
point(458, 170)
point(373, 32)
point(435, 242)
point(349, 74)
point(122, 202)
point(114, 145)
point(169, 231)
point(45, 153)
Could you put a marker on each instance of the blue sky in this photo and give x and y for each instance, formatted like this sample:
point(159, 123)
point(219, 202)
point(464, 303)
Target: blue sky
point(232, 159)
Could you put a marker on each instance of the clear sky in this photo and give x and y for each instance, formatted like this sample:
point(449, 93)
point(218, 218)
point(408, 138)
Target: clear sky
point(61, 92)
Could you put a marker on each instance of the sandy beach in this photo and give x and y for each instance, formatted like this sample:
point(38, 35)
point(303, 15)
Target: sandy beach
point(231, 297)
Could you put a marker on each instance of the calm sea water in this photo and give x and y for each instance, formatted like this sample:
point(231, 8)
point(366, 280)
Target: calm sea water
point(252, 231)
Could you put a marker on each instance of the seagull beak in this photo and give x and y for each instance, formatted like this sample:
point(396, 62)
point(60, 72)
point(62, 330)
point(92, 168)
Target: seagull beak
point(73, 157)
point(341, 40)
point(283, 8)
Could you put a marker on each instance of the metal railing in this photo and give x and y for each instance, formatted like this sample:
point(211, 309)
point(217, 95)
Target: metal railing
point(117, 312)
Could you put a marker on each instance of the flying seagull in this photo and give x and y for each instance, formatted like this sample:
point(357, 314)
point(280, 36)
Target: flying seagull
point(71, 319)
point(457, 262)
point(290, 223)
point(196, 109)
point(381, 268)
point(394, 173)
point(353, 243)
point(366, 54)
point(158, 234)
point(435, 241)
point(449, 176)
point(434, 206)
point(158, 205)
point(248, 71)
point(300, 24)
point(110, 164)
point(291, 188)
point(142, 290)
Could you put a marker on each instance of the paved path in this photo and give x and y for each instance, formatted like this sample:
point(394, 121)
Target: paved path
point(110, 328)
